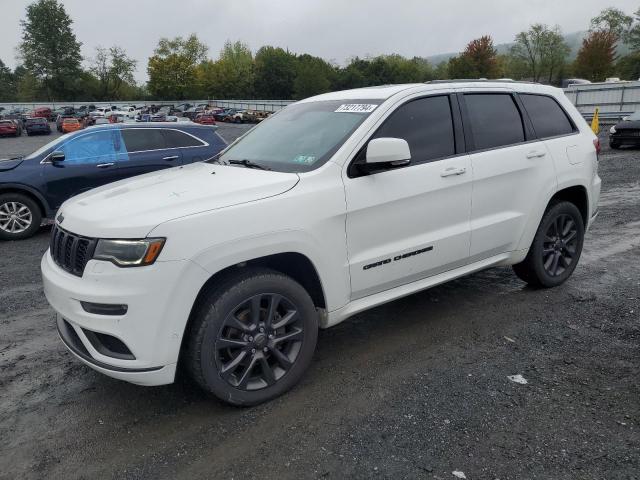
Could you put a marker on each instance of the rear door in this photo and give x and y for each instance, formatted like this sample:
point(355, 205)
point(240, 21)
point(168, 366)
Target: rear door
point(512, 170)
point(147, 151)
point(189, 146)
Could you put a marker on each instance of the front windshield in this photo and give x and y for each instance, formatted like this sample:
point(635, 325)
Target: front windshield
point(302, 136)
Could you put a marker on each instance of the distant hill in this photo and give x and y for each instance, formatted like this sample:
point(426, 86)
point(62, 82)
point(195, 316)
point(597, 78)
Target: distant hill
point(574, 40)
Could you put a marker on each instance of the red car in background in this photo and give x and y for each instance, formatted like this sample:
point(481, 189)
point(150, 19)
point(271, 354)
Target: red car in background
point(205, 119)
point(8, 127)
point(42, 112)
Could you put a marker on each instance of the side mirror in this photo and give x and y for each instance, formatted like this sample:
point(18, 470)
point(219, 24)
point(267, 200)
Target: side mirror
point(385, 153)
point(57, 157)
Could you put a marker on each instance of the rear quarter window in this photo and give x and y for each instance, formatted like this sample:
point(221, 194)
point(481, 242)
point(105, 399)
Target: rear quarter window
point(178, 139)
point(547, 116)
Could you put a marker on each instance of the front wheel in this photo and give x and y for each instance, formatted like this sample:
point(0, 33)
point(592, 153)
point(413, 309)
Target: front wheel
point(253, 336)
point(556, 247)
point(20, 216)
point(614, 145)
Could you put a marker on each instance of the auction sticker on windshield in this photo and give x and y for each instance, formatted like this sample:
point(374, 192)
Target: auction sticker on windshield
point(356, 108)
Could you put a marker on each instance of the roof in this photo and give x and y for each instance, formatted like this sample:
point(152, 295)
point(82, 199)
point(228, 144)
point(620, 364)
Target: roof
point(384, 92)
point(148, 124)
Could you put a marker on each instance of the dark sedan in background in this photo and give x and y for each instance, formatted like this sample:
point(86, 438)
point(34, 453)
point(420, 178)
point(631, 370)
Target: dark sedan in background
point(34, 187)
point(626, 132)
point(37, 126)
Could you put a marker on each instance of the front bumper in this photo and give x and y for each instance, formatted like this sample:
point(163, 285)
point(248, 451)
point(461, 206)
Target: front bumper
point(624, 139)
point(159, 300)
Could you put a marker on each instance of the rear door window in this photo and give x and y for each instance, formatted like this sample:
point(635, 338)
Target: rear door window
point(178, 139)
point(495, 120)
point(548, 118)
point(143, 139)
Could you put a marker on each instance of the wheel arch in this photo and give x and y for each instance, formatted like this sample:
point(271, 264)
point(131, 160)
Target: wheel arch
point(293, 264)
point(29, 192)
point(576, 194)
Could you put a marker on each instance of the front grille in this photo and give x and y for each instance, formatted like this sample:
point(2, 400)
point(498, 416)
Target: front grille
point(71, 252)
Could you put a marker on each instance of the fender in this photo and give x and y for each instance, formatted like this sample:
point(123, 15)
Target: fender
point(532, 227)
point(48, 213)
point(336, 287)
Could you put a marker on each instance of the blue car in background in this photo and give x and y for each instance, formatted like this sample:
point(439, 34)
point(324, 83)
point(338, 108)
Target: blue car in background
point(34, 187)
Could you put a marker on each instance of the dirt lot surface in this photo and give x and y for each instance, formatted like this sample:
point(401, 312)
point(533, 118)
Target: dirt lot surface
point(417, 388)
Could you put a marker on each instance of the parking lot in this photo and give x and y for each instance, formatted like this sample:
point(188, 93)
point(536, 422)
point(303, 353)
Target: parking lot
point(416, 388)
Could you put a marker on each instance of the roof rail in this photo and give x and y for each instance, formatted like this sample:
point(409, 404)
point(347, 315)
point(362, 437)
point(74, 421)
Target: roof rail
point(481, 80)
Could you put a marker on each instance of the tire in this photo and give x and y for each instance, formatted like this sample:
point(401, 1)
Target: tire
point(218, 340)
point(26, 213)
point(552, 247)
point(614, 145)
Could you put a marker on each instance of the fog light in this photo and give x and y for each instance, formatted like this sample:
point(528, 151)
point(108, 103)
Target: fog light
point(104, 308)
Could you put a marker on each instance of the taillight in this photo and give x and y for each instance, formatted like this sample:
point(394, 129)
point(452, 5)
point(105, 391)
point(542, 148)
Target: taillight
point(596, 144)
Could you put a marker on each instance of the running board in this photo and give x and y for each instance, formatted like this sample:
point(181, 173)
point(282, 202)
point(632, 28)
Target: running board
point(336, 316)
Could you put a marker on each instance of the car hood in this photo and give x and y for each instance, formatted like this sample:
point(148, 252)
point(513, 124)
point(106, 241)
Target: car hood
point(628, 125)
point(131, 208)
point(9, 164)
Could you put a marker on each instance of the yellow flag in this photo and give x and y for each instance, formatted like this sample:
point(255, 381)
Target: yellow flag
point(595, 123)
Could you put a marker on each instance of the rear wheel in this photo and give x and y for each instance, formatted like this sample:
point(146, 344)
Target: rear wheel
point(556, 247)
point(253, 337)
point(20, 216)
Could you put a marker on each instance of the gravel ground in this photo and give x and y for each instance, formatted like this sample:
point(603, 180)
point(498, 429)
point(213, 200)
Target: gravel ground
point(416, 388)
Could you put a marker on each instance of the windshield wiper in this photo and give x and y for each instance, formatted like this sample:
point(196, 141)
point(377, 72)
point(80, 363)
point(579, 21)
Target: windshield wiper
point(248, 164)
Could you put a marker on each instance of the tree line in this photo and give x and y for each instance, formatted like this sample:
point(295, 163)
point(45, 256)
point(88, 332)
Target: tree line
point(51, 66)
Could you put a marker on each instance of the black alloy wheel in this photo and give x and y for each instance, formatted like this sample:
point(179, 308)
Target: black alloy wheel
point(560, 245)
point(252, 336)
point(556, 247)
point(259, 342)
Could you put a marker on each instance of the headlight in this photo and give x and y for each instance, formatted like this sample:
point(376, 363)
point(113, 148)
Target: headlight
point(612, 130)
point(129, 253)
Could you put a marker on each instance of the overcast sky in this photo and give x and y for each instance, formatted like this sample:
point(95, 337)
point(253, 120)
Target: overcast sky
point(333, 29)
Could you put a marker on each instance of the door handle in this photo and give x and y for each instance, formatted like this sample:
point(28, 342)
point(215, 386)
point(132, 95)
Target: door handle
point(448, 172)
point(172, 157)
point(535, 154)
point(105, 165)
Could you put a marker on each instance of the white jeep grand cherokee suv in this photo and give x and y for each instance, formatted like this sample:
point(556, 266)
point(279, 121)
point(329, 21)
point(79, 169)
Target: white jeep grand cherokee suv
point(334, 205)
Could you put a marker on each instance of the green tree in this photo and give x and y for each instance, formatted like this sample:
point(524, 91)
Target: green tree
point(612, 20)
point(314, 76)
point(173, 65)
point(8, 90)
point(234, 71)
point(114, 70)
point(479, 60)
point(49, 49)
point(628, 67)
point(632, 36)
point(541, 51)
point(275, 72)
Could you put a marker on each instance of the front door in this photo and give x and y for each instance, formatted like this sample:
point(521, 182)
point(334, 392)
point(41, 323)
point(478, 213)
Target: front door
point(91, 160)
point(411, 222)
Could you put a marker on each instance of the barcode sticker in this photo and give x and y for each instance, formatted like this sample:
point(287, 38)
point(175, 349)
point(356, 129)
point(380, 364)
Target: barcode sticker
point(356, 108)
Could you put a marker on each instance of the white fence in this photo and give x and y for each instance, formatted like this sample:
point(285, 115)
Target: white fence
point(614, 100)
point(260, 105)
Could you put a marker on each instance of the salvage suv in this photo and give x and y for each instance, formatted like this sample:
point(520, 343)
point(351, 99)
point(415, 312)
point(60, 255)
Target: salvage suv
point(334, 205)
